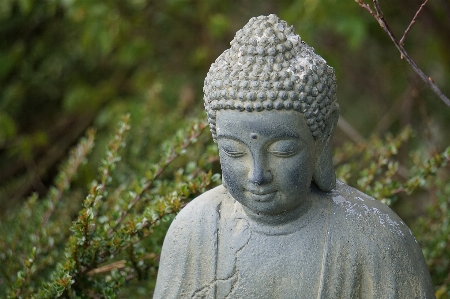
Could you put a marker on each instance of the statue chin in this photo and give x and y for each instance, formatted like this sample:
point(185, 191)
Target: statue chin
point(281, 226)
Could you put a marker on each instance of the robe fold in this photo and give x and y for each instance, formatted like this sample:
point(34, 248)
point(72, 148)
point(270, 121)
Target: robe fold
point(345, 245)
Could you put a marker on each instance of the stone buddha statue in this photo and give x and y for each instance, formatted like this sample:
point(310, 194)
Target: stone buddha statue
point(281, 226)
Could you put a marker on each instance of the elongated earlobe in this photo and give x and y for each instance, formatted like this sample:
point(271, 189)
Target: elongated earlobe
point(324, 175)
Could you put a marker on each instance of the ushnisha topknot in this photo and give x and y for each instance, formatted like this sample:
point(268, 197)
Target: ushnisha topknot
point(269, 67)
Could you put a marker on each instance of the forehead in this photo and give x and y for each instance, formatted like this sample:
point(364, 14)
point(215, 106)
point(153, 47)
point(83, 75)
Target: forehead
point(268, 124)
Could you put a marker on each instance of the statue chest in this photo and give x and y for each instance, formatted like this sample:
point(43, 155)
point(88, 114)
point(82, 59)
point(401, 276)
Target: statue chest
point(280, 266)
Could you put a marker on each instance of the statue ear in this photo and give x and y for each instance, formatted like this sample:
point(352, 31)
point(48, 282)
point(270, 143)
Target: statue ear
point(324, 175)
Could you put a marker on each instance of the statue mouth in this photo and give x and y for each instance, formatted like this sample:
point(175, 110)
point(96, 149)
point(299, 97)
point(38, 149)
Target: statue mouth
point(262, 195)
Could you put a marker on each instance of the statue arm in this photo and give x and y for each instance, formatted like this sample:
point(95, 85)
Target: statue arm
point(172, 267)
point(188, 254)
point(396, 268)
point(372, 253)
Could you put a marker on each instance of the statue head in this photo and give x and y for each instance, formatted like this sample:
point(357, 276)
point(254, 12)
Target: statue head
point(273, 91)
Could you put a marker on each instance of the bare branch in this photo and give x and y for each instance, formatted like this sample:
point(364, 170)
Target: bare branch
point(378, 15)
point(368, 8)
point(402, 40)
point(351, 132)
point(107, 268)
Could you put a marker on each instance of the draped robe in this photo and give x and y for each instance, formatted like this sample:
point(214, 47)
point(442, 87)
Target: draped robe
point(345, 244)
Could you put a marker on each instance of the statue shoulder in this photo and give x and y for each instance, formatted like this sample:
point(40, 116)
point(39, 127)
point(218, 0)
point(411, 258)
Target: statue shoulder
point(360, 213)
point(188, 251)
point(201, 208)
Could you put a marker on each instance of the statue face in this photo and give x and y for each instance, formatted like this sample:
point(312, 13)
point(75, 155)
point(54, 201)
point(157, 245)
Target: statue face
point(267, 158)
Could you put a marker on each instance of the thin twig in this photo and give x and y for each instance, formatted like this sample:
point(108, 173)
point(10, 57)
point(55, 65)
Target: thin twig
point(351, 132)
point(368, 8)
point(402, 40)
point(119, 264)
point(390, 116)
point(78, 154)
point(378, 15)
point(107, 268)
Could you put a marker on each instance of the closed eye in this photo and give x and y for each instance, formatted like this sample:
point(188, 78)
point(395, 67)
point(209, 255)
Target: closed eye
point(232, 147)
point(283, 154)
point(233, 154)
point(284, 148)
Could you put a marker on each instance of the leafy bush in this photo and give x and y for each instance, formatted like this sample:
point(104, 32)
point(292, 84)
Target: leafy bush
point(47, 257)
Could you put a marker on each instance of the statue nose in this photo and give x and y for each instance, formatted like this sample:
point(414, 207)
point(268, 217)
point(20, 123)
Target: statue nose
point(258, 174)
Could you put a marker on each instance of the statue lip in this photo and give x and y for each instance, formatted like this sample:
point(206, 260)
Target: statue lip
point(262, 194)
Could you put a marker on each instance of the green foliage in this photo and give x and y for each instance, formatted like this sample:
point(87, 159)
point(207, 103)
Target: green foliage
point(104, 246)
point(373, 167)
point(69, 64)
point(31, 238)
point(434, 230)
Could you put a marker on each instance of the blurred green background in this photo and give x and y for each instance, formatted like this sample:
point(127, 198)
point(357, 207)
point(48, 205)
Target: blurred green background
point(68, 65)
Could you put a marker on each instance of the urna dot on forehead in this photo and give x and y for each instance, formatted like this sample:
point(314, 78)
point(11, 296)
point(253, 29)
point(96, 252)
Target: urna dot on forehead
point(269, 67)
